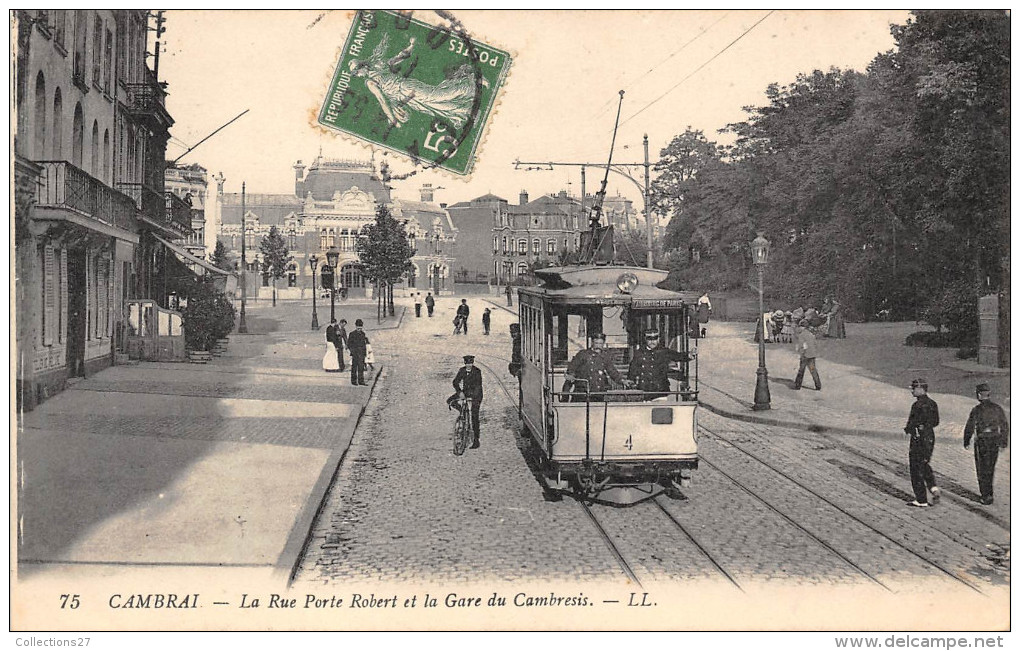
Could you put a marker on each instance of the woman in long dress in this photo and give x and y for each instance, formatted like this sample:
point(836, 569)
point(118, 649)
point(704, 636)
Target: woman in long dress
point(837, 328)
point(330, 361)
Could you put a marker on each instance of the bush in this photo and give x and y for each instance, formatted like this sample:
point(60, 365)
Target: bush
point(929, 339)
point(967, 352)
point(208, 317)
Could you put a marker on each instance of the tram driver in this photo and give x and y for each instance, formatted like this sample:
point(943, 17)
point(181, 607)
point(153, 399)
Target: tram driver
point(649, 367)
point(592, 371)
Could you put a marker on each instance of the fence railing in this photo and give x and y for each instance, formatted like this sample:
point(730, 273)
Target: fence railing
point(62, 185)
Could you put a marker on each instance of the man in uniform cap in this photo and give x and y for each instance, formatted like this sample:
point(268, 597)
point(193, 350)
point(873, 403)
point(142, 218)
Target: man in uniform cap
point(592, 370)
point(989, 428)
point(649, 367)
point(357, 343)
point(924, 418)
point(468, 383)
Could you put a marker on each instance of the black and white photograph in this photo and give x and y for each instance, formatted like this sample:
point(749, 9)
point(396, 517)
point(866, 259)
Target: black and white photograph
point(689, 321)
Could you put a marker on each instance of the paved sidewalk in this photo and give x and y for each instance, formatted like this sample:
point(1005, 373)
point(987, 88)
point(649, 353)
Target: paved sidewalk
point(168, 466)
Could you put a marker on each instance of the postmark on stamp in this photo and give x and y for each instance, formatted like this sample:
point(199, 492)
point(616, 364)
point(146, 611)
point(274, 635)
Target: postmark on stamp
point(423, 91)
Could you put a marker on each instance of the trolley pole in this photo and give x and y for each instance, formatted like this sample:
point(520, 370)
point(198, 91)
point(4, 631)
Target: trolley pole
point(648, 206)
point(242, 326)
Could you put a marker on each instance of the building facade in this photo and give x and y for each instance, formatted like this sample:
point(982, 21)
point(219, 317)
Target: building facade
point(333, 201)
point(90, 141)
point(189, 183)
point(539, 233)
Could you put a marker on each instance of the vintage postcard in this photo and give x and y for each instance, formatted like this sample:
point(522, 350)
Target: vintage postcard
point(361, 320)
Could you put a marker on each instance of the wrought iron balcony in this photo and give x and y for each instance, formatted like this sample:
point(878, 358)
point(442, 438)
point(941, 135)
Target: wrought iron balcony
point(147, 100)
point(171, 218)
point(64, 186)
point(178, 214)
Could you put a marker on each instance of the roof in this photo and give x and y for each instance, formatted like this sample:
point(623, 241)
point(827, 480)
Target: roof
point(597, 283)
point(271, 209)
point(325, 181)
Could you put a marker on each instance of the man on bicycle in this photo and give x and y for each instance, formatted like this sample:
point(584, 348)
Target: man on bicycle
point(468, 384)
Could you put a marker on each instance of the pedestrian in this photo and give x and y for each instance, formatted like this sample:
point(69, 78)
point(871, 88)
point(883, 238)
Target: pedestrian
point(509, 296)
point(417, 305)
point(924, 418)
point(369, 358)
point(592, 372)
point(704, 312)
point(468, 383)
point(988, 426)
point(330, 359)
point(357, 342)
point(430, 303)
point(649, 368)
point(486, 319)
point(463, 311)
point(808, 349)
point(341, 342)
point(835, 327)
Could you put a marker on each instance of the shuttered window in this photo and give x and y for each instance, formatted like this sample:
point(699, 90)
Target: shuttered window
point(49, 297)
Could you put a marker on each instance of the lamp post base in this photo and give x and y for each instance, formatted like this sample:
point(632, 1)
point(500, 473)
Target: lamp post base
point(762, 399)
point(315, 321)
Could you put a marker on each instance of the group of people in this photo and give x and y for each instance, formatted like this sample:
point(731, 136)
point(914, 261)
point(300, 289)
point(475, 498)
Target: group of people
point(592, 371)
point(826, 321)
point(337, 339)
point(430, 304)
point(986, 427)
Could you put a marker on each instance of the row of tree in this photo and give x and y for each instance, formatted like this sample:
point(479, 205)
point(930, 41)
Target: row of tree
point(887, 189)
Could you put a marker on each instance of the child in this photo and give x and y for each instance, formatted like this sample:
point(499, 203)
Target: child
point(369, 358)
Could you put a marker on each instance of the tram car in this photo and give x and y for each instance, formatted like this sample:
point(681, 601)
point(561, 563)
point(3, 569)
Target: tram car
point(625, 445)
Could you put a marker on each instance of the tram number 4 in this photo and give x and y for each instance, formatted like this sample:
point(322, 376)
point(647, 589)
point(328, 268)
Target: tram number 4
point(629, 443)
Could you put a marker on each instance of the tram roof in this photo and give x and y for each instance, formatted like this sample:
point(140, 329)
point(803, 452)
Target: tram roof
point(597, 284)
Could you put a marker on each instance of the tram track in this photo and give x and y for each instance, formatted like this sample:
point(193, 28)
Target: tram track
point(711, 559)
point(736, 446)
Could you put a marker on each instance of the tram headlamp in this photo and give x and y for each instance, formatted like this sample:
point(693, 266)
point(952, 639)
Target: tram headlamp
point(626, 282)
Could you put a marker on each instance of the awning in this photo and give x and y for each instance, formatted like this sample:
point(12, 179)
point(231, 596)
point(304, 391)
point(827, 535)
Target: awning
point(187, 257)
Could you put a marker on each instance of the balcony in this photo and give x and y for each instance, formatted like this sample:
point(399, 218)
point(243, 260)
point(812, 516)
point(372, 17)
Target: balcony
point(63, 186)
point(170, 218)
point(147, 101)
point(178, 214)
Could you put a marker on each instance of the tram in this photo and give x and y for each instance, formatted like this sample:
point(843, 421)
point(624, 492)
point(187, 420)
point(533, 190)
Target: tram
point(625, 445)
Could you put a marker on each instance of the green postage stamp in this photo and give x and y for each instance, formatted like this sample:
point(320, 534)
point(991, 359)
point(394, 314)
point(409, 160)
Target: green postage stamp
point(421, 90)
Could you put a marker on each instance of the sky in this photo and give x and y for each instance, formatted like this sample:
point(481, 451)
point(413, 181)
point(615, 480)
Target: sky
point(677, 68)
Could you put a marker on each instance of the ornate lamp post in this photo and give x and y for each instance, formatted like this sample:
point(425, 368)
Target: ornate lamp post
point(242, 326)
point(313, 262)
point(760, 256)
point(333, 257)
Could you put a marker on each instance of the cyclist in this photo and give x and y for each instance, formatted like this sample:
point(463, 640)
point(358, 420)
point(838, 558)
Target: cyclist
point(468, 383)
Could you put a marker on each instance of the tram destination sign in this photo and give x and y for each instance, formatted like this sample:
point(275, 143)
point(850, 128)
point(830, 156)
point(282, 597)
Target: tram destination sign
point(649, 303)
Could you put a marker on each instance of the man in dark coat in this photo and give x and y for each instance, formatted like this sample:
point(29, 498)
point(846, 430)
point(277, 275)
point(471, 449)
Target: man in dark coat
point(989, 428)
point(509, 296)
point(341, 341)
point(649, 368)
point(357, 342)
point(462, 313)
point(807, 346)
point(924, 418)
point(486, 319)
point(468, 383)
point(430, 304)
point(592, 371)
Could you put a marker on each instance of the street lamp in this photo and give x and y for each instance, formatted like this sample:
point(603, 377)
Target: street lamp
point(242, 326)
point(313, 262)
point(760, 256)
point(333, 257)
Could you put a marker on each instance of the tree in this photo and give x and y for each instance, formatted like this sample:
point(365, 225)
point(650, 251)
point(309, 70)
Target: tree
point(274, 256)
point(220, 258)
point(386, 253)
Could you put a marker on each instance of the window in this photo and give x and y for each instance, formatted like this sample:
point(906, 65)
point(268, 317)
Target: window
point(97, 52)
point(121, 51)
point(292, 275)
point(495, 244)
point(522, 247)
point(58, 126)
point(94, 167)
point(550, 246)
point(59, 27)
point(322, 240)
point(522, 268)
point(78, 69)
point(107, 159)
point(40, 117)
point(77, 135)
point(504, 244)
point(291, 240)
point(108, 61)
point(331, 238)
point(565, 248)
point(536, 246)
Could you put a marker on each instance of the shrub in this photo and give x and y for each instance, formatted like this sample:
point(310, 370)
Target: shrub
point(967, 352)
point(208, 317)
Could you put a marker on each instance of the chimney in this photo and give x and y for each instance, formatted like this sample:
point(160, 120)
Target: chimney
point(427, 193)
point(524, 197)
point(299, 175)
point(562, 194)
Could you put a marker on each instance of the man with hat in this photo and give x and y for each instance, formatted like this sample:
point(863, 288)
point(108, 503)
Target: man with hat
point(468, 383)
point(924, 418)
point(592, 370)
point(808, 349)
point(649, 368)
point(989, 428)
point(357, 343)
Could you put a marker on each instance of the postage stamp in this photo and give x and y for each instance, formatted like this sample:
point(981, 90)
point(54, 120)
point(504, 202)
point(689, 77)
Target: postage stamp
point(423, 91)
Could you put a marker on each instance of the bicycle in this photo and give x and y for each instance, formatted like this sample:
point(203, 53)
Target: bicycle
point(463, 433)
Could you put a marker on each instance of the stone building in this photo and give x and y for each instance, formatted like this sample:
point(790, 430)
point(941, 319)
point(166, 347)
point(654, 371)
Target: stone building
point(543, 232)
point(189, 183)
point(333, 201)
point(90, 141)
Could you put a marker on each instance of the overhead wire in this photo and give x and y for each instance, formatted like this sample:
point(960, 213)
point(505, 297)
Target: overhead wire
point(699, 68)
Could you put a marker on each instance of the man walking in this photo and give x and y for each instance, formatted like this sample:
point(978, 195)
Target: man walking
point(430, 303)
point(808, 348)
point(468, 383)
point(509, 296)
point(486, 319)
point(462, 313)
point(357, 342)
point(989, 428)
point(417, 305)
point(341, 341)
point(924, 418)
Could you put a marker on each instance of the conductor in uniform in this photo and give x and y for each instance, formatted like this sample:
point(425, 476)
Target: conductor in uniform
point(989, 428)
point(921, 424)
point(468, 383)
point(649, 367)
point(592, 370)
